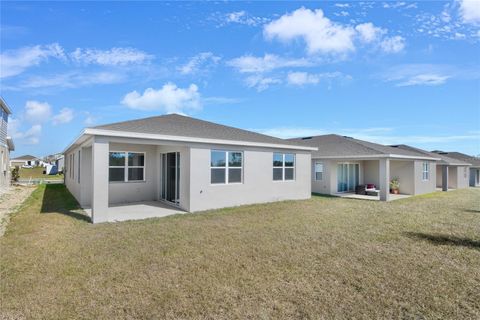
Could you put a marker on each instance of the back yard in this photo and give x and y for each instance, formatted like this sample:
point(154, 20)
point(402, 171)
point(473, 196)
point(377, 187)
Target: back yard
point(322, 258)
point(37, 173)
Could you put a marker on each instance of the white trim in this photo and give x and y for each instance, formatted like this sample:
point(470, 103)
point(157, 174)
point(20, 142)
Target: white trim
point(126, 134)
point(378, 156)
point(126, 166)
point(227, 167)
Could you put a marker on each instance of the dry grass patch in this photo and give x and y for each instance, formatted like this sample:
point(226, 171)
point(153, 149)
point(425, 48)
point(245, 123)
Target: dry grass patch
point(321, 258)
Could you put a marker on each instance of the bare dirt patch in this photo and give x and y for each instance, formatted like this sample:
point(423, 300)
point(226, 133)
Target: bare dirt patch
point(10, 201)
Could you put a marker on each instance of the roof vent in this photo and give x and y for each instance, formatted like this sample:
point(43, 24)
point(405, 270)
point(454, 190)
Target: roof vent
point(348, 137)
point(394, 146)
point(306, 138)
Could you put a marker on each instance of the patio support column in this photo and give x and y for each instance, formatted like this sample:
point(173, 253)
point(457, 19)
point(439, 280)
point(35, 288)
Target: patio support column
point(100, 149)
point(384, 177)
point(444, 178)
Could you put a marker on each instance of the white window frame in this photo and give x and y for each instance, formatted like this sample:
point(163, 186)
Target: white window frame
point(126, 166)
point(226, 167)
point(425, 171)
point(315, 170)
point(283, 167)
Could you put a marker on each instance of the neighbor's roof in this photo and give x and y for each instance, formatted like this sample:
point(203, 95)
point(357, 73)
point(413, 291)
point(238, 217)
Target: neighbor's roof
point(474, 161)
point(446, 160)
point(182, 128)
point(4, 105)
point(336, 146)
point(25, 157)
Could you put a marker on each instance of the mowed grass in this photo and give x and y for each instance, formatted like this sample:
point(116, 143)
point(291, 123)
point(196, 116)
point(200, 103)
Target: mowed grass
point(416, 258)
point(37, 173)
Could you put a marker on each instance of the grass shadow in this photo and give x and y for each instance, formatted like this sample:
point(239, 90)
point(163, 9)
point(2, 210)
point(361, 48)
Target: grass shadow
point(57, 199)
point(321, 195)
point(472, 210)
point(444, 239)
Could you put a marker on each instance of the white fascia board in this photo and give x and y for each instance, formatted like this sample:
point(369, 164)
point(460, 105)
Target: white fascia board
point(377, 156)
point(126, 134)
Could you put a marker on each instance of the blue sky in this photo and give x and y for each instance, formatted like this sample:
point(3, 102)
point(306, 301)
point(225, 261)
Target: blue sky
point(388, 72)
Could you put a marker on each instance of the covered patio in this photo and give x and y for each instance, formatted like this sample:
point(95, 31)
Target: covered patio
point(392, 197)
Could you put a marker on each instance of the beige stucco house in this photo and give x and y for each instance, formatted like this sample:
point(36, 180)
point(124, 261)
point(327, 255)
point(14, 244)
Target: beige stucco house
point(6, 146)
point(466, 172)
point(179, 162)
point(451, 173)
point(342, 165)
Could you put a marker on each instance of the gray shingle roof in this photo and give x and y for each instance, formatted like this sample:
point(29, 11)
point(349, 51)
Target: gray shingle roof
point(474, 161)
point(178, 125)
point(25, 157)
point(444, 159)
point(332, 145)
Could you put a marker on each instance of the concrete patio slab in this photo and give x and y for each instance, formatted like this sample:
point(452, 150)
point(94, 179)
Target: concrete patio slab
point(139, 210)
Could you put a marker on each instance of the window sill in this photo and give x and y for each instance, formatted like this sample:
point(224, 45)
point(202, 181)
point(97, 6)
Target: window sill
point(119, 182)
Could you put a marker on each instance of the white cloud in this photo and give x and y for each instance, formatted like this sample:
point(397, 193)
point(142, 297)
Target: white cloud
point(470, 11)
point(90, 120)
point(169, 99)
point(304, 78)
point(320, 34)
point(14, 62)
point(393, 44)
point(72, 79)
point(342, 5)
point(30, 136)
point(242, 17)
point(368, 32)
point(112, 57)
point(37, 112)
point(196, 62)
point(260, 82)
point(424, 79)
point(252, 64)
point(64, 116)
point(427, 74)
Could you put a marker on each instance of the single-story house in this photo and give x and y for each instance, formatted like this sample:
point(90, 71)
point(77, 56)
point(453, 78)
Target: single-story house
point(451, 173)
point(344, 165)
point(474, 169)
point(26, 160)
point(179, 162)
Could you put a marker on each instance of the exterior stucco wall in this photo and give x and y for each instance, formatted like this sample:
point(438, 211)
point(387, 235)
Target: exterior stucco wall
point(371, 172)
point(258, 185)
point(425, 186)
point(4, 167)
point(406, 173)
point(123, 192)
point(452, 177)
point(462, 177)
point(86, 177)
point(439, 176)
point(71, 174)
point(323, 186)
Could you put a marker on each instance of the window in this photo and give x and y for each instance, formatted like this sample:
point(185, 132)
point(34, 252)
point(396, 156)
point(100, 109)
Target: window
point(226, 167)
point(318, 170)
point(78, 178)
point(126, 166)
point(426, 171)
point(283, 166)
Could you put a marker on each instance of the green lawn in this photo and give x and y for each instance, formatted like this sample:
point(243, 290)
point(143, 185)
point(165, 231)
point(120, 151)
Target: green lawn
point(417, 258)
point(37, 173)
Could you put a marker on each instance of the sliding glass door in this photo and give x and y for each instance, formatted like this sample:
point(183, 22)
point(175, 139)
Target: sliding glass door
point(348, 176)
point(171, 177)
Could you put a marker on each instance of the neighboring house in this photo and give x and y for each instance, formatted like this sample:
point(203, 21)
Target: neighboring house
point(6, 145)
point(451, 173)
point(187, 163)
point(343, 164)
point(27, 160)
point(474, 169)
point(60, 163)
